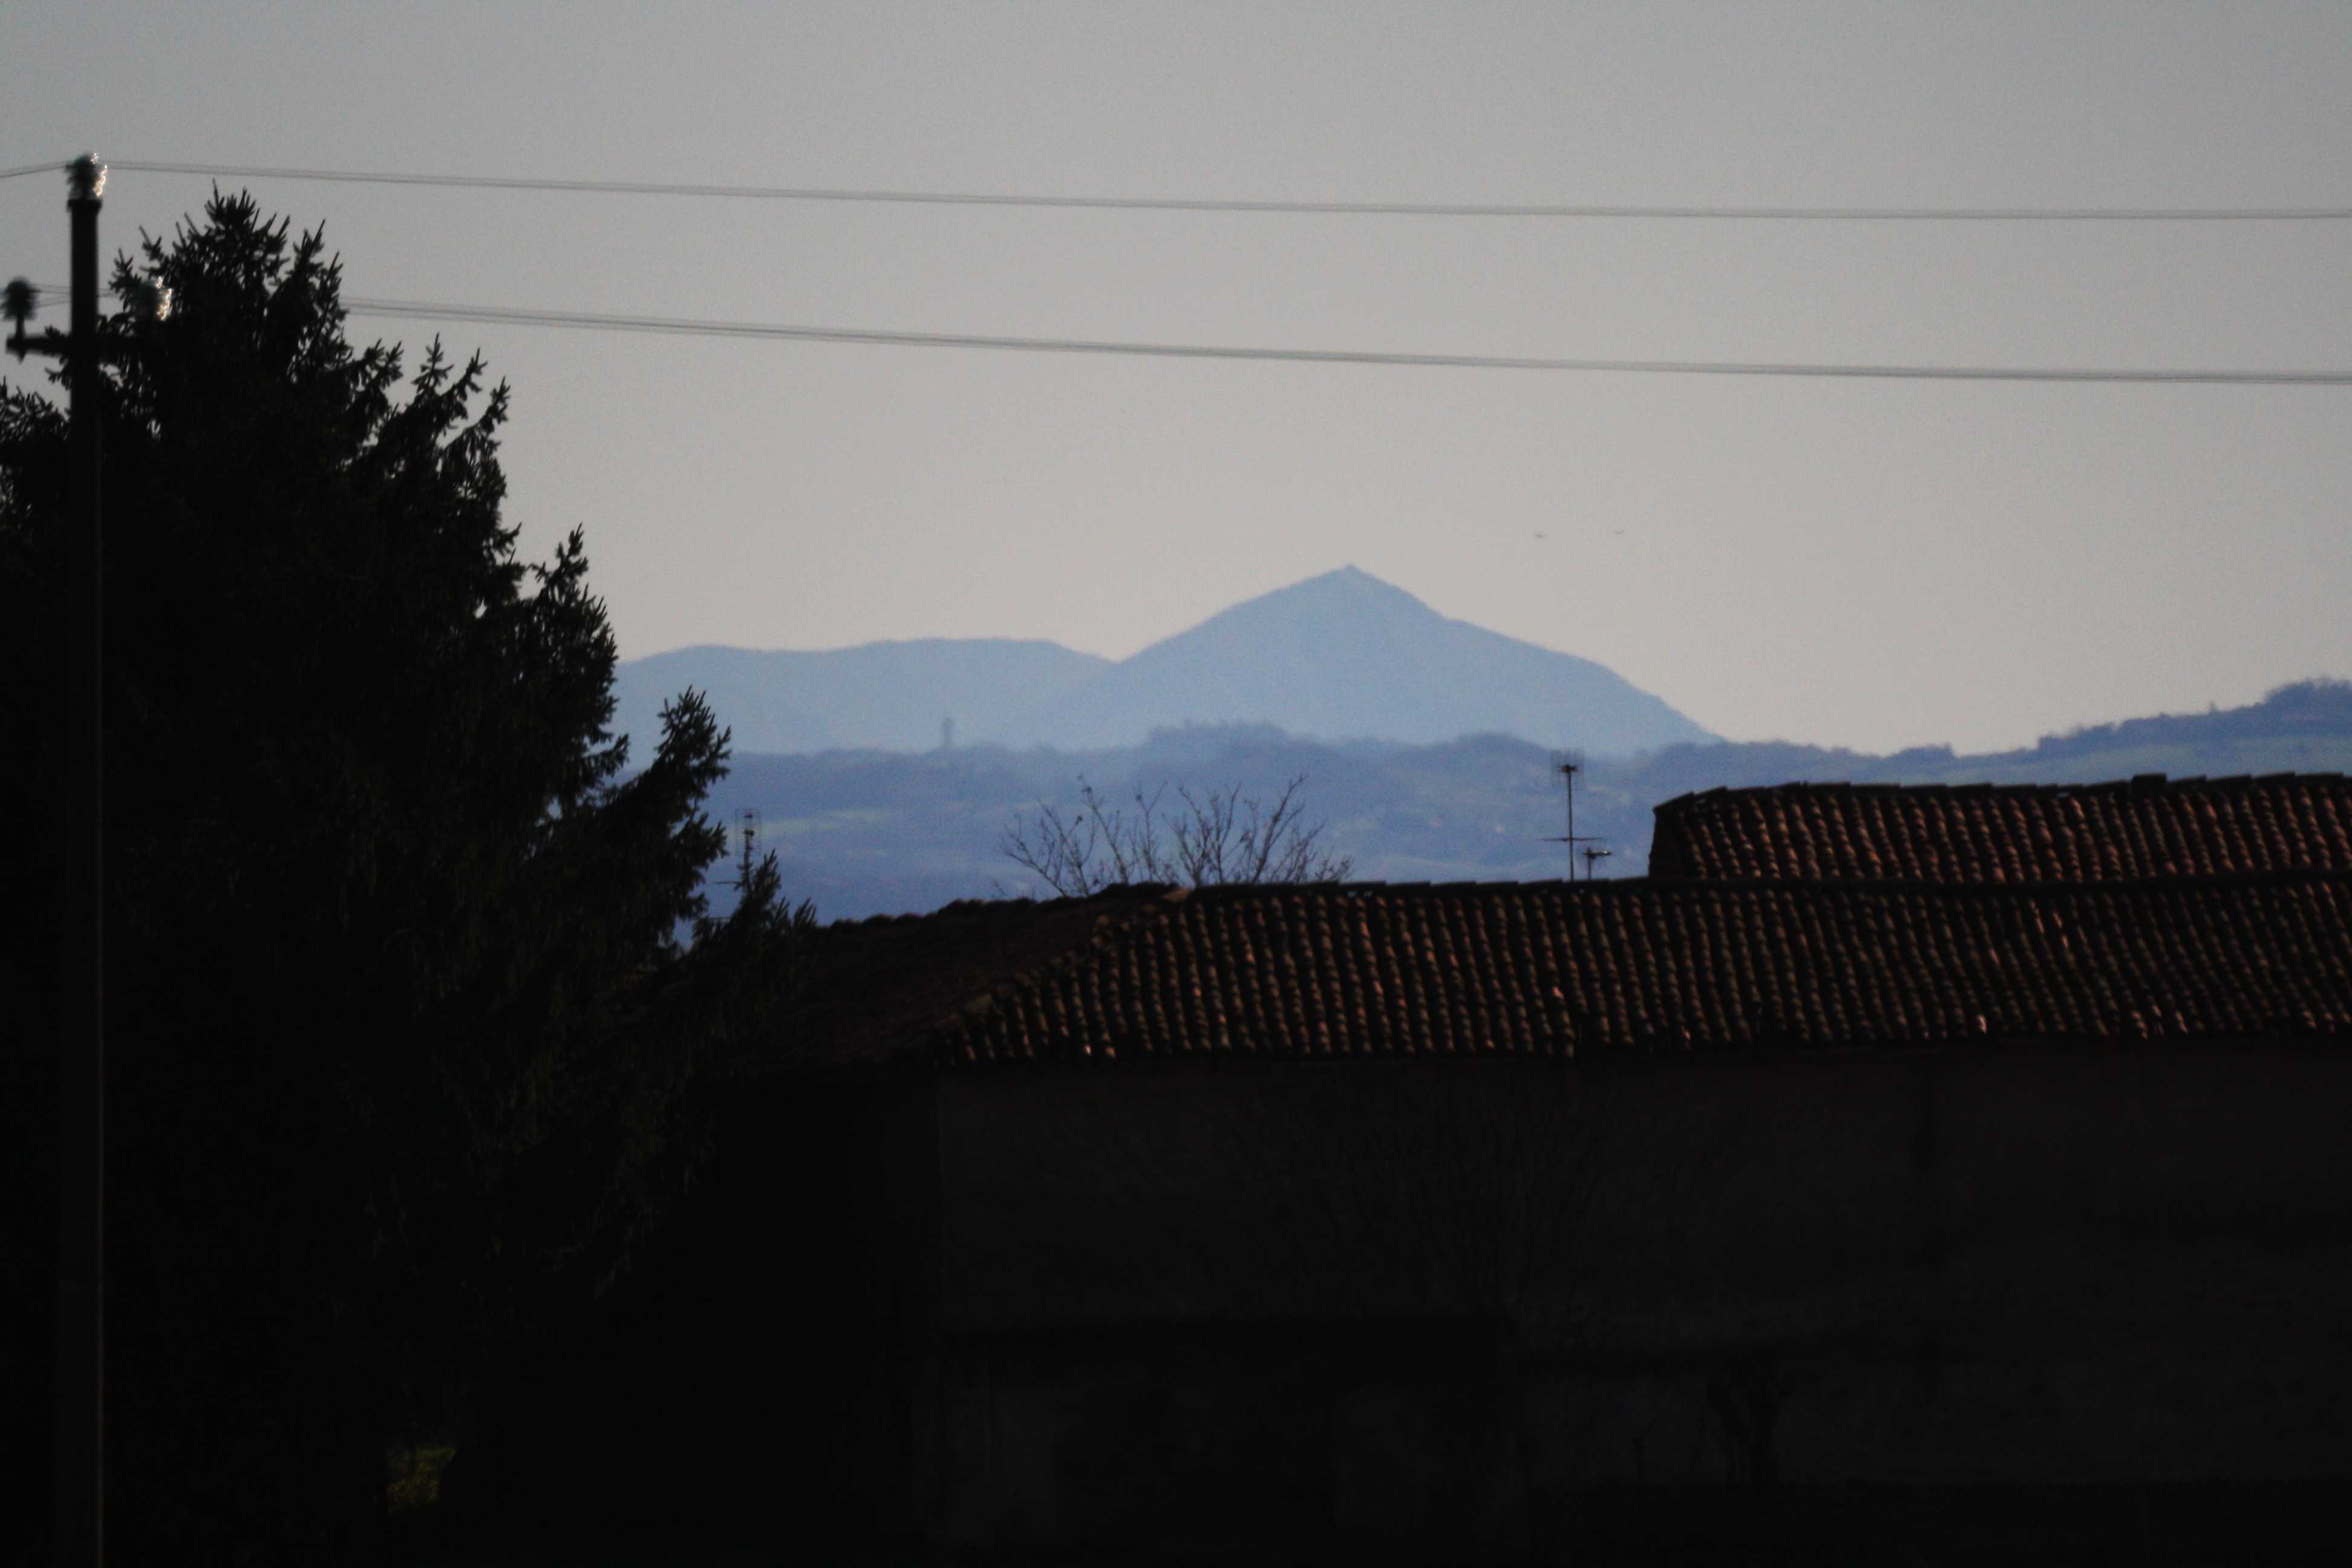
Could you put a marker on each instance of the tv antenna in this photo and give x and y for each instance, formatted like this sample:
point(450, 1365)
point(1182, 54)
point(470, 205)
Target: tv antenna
point(1568, 764)
point(747, 836)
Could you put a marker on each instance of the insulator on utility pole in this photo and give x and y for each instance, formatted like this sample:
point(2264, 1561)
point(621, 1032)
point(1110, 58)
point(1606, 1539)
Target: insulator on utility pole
point(149, 298)
point(17, 303)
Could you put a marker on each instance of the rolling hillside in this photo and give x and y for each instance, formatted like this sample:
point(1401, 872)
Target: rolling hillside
point(867, 833)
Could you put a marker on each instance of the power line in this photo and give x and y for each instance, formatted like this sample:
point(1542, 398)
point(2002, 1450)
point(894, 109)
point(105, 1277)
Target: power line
point(677, 326)
point(681, 326)
point(1220, 205)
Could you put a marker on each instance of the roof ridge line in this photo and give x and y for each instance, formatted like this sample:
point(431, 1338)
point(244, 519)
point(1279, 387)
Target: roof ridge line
point(1618, 886)
point(2185, 784)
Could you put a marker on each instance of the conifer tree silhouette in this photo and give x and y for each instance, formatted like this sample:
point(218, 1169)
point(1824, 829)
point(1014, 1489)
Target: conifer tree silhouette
point(405, 1022)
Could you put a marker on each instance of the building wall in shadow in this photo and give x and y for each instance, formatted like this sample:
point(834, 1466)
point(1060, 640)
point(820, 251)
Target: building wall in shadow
point(2001, 1267)
point(1406, 1306)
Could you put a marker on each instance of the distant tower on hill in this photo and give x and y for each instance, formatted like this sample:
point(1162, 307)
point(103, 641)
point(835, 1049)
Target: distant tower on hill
point(747, 838)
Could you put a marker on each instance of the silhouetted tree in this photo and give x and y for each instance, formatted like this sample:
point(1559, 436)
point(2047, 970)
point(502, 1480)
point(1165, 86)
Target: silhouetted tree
point(404, 1018)
point(1223, 836)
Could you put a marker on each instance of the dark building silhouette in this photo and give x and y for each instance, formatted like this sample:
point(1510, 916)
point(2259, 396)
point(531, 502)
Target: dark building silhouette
point(1888, 1148)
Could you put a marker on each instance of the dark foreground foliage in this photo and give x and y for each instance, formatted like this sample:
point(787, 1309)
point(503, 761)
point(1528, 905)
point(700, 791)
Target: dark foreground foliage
point(405, 1038)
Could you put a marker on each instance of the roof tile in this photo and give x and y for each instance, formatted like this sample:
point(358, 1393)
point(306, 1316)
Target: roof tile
point(1563, 968)
point(2147, 827)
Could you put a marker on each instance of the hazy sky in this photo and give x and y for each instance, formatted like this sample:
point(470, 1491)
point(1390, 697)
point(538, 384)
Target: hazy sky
point(1870, 564)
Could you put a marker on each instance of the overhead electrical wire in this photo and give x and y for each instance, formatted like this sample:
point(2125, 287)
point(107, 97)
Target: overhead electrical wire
point(677, 326)
point(683, 326)
point(1627, 211)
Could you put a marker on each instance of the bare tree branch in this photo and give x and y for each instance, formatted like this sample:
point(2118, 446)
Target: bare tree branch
point(1220, 838)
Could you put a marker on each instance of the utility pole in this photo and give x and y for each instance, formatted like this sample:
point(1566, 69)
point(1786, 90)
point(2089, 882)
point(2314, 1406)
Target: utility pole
point(82, 1233)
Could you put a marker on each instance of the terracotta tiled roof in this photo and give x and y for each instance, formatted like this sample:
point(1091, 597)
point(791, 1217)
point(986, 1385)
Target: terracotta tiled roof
point(2149, 826)
point(878, 985)
point(1555, 969)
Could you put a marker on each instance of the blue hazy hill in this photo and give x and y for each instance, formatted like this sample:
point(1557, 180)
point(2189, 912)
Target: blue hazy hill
point(1337, 658)
point(1347, 656)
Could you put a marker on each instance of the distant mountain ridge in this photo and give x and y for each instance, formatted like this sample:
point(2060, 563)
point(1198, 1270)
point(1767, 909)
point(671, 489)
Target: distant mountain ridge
point(1341, 656)
point(1346, 656)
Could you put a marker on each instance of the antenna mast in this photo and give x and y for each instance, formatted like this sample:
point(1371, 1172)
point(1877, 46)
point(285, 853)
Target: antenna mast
point(747, 836)
point(1568, 764)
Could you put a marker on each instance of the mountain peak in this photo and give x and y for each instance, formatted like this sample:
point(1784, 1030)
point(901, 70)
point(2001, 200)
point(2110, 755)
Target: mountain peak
point(1339, 656)
point(1349, 576)
point(1344, 656)
point(1344, 588)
